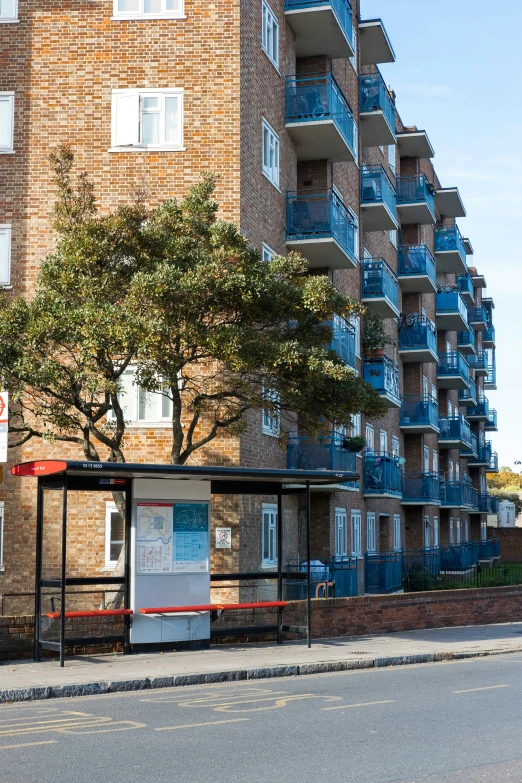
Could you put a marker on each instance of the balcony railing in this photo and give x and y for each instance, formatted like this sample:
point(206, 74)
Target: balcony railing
point(376, 187)
point(336, 578)
point(468, 396)
point(458, 558)
point(418, 336)
point(454, 429)
point(491, 381)
point(465, 285)
point(452, 364)
point(383, 375)
point(421, 488)
point(484, 455)
point(343, 342)
point(416, 262)
point(477, 316)
point(466, 340)
point(379, 282)
point(322, 453)
point(493, 463)
point(458, 494)
point(470, 451)
point(383, 572)
point(492, 422)
point(419, 412)
point(494, 504)
point(382, 474)
point(489, 549)
point(415, 190)
point(489, 336)
point(342, 11)
point(451, 303)
point(317, 97)
point(449, 239)
point(479, 362)
point(480, 410)
point(320, 216)
point(374, 96)
point(484, 503)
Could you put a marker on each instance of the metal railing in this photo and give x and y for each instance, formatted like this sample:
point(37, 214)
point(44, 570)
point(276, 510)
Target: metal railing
point(450, 239)
point(341, 8)
point(465, 285)
point(383, 572)
point(484, 454)
point(471, 450)
point(416, 261)
point(478, 361)
point(343, 342)
point(492, 421)
point(418, 410)
point(322, 453)
point(454, 428)
point(452, 363)
point(466, 338)
point(374, 96)
point(415, 190)
point(491, 381)
point(376, 187)
point(418, 336)
point(378, 281)
point(382, 474)
point(480, 409)
point(477, 315)
point(451, 302)
point(421, 487)
point(458, 494)
point(314, 97)
point(383, 375)
point(318, 216)
point(470, 394)
point(493, 463)
point(489, 335)
point(334, 578)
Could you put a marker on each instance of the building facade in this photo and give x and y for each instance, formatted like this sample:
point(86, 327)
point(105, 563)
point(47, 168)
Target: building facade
point(285, 102)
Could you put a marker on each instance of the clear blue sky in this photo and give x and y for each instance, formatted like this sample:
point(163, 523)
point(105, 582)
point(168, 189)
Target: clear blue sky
point(458, 76)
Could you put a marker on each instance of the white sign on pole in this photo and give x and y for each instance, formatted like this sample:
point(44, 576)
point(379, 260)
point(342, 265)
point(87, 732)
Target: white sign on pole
point(4, 425)
point(223, 538)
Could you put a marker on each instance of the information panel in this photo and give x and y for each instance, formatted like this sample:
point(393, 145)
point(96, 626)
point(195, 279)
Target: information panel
point(190, 537)
point(154, 538)
point(172, 537)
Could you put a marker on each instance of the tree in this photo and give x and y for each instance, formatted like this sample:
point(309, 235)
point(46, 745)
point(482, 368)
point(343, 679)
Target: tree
point(505, 479)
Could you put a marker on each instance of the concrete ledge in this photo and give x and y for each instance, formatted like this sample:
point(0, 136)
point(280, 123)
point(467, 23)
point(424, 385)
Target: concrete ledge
point(263, 673)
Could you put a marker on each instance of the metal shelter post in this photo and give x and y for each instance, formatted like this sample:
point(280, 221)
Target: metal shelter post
point(128, 524)
point(64, 572)
point(279, 567)
point(38, 570)
point(308, 571)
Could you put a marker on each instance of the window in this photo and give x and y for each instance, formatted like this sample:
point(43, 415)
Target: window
point(370, 532)
point(147, 119)
point(341, 533)
point(270, 36)
point(397, 543)
point(435, 461)
point(355, 321)
point(142, 406)
point(396, 446)
point(424, 386)
point(426, 459)
point(427, 532)
point(451, 531)
point(356, 534)
point(269, 542)
point(370, 438)
point(114, 535)
point(393, 237)
point(436, 535)
point(483, 531)
point(483, 485)
point(356, 424)
point(450, 470)
point(383, 441)
point(267, 253)
point(355, 221)
point(353, 59)
point(1, 534)
point(270, 154)
point(8, 12)
point(5, 255)
point(459, 537)
point(457, 471)
point(148, 9)
point(433, 391)
point(6, 121)
point(271, 418)
point(391, 157)
point(450, 409)
point(466, 530)
point(448, 346)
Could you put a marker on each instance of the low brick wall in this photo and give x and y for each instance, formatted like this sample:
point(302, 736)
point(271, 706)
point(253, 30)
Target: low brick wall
point(510, 542)
point(359, 616)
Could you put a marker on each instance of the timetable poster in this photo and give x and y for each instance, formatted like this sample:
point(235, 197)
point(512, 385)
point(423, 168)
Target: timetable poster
point(191, 537)
point(154, 538)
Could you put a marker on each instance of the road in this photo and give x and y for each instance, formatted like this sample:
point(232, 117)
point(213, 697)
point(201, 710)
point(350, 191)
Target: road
point(440, 723)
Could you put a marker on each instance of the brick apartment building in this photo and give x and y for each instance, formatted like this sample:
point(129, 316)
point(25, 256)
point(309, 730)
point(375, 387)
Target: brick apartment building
point(284, 100)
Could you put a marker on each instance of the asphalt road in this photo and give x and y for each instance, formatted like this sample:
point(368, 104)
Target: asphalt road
point(441, 723)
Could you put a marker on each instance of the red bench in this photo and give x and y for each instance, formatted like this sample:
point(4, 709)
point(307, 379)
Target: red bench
point(95, 613)
point(212, 607)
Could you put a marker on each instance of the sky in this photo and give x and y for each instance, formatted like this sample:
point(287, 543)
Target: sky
point(457, 76)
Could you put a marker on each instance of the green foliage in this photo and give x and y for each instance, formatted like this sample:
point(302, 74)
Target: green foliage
point(182, 297)
point(506, 480)
point(417, 579)
point(374, 336)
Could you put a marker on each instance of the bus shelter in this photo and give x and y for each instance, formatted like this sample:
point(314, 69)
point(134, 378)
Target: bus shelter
point(165, 584)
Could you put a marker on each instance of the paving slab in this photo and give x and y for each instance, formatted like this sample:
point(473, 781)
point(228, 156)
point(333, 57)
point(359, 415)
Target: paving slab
point(25, 680)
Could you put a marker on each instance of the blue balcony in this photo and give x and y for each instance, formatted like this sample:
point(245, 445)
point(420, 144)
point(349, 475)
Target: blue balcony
point(383, 573)
point(466, 341)
point(452, 371)
point(377, 111)
point(419, 414)
point(489, 549)
point(484, 503)
point(470, 452)
point(319, 119)
point(335, 578)
point(457, 558)
point(458, 494)
point(343, 342)
point(382, 475)
point(450, 253)
point(478, 319)
point(321, 27)
point(451, 311)
point(455, 432)
point(416, 270)
point(380, 289)
point(378, 200)
point(418, 341)
point(494, 505)
point(490, 383)
point(419, 489)
point(465, 286)
point(319, 226)
point(383, 375)
point(325, 452)
point(493, 463)
point(491, 423)
point(468, 396)
point(480, 411)
point(479, 363)
point(484, 456)
point(488, 337)
point(415, 200)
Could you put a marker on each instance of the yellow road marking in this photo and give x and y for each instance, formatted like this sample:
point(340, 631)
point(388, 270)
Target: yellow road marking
point(362, 704)
point(486, 688)
point(28, 744)
point(122, 725)
point(278, 703)
point(208, 723)
point(213, 697)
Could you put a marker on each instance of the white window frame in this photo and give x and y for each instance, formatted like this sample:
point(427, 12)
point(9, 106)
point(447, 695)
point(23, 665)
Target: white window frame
point(451, 474)
point(141, 14)
point(371, 536)
point(466, 531)
point(355, 321)
point(271, 423)
point(11, 19)
point(270, 172)
point(2, 510)
point(134, 404)
point(267, 253)
point(132, 97)
point(110, 508)
point(451, 531)
point(392, 158)
point(459, 531)
point(457, 471)
point(353, 58)
point(435, 461)
point(450, 409)
point(397, 533)
point(483, 531)
point(269, 528)
point(341, 532)
point(356, 522)
point(356, 227)
point(436, 532)
point(426, 458)
point(393, 237)
point(370, 437)
point(434, 391)
point(355, 429)
point(5, 240)
point(269, 29)
point(9, 99)
point(427, 533)
point(396, 446)
point(383, 441)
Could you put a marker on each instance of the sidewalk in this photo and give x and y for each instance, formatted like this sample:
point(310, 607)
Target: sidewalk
point(25, 680)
